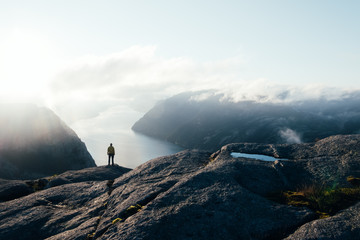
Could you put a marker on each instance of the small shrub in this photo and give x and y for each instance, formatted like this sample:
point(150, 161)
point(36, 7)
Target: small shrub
point(295, 199)
point(37, 185)
point(324, 201)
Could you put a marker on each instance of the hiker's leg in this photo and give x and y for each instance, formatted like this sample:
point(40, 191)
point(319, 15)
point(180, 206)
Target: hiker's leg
point(112, 157)
point(109, 160)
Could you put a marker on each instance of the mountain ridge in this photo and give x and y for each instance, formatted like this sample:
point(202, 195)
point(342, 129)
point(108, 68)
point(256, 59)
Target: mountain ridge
point(208, 123)
point(35, 142)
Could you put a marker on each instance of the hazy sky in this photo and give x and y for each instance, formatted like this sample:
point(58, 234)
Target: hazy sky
point(285, 42)
point(88, 59)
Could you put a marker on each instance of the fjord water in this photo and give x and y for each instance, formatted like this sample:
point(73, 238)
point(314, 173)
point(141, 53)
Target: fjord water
point(131, 148)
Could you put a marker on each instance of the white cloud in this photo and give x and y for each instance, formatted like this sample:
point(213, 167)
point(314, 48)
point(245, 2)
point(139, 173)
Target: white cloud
point(96, 94)
point(138, 78)
point(135, 77)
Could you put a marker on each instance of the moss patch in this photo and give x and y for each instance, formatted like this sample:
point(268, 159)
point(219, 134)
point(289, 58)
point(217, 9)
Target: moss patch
point(127, 213)
point(133, 209)
point(90, 236)
point(116, 220)
point(37, 185)
point(324, 201)
point(355, 181)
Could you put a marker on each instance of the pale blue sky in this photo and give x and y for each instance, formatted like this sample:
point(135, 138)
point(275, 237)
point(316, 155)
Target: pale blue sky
point(208, 44)
point(296, 42)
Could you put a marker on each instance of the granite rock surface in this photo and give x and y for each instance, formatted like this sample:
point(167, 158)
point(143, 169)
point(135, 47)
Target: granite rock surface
point(192, 195)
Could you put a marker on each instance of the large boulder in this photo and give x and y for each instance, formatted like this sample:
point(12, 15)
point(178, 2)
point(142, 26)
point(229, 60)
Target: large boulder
point(12, 189)
point(34, 142)
point(344, 226)
point(70, 210)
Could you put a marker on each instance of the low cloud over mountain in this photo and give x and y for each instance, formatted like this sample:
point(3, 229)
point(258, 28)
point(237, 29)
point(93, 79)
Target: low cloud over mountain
point(208, 119)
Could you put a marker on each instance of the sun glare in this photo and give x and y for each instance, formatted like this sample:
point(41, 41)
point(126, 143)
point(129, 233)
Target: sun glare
point(27, 62)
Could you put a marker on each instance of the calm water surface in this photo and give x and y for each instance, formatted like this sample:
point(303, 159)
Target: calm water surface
point(255, 156)
point(131, 149)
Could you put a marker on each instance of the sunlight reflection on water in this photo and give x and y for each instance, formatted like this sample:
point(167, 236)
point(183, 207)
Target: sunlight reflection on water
point(131, 149)
point(114, 126)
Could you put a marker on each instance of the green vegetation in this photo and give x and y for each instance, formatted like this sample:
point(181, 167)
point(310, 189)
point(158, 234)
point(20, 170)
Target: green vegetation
point(355, 181)
point(128, 212)
point(116, 220)
point(90, 236)
point(52, 177)
point(325, 201)
point(37, 185)
point(133, 209)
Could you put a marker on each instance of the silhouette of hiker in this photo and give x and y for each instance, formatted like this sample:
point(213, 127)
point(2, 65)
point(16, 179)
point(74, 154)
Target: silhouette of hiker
point(111, 153)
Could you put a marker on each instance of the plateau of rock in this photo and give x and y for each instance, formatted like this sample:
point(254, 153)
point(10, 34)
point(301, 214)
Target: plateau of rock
point(189, 195)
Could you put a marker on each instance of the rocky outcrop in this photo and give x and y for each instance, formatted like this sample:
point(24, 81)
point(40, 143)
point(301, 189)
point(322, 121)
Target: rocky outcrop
point(34, 143)
point(12, 189)
point(208, 120)
point(344, 226)
point(188, 198)
point(328, 161)
point(89, 174)
point(193, 195)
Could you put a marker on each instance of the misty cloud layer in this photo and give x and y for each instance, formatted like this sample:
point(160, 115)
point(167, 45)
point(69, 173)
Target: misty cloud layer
point(34, 142)
point(99, 96)
point(209, 120)
point(137, 77)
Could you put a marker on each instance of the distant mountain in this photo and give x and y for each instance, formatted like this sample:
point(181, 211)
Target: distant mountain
point(34, 142)
point(206, 120)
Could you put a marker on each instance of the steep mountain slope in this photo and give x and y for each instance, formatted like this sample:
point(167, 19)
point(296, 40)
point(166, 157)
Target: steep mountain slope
point(34, 142)
point(193, 121)
point(195, 195)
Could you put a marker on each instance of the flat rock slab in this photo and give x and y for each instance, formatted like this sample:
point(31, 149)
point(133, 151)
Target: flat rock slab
point(101, 173)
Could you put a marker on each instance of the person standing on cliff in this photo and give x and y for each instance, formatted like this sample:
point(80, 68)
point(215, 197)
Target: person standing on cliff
point(111, 153)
